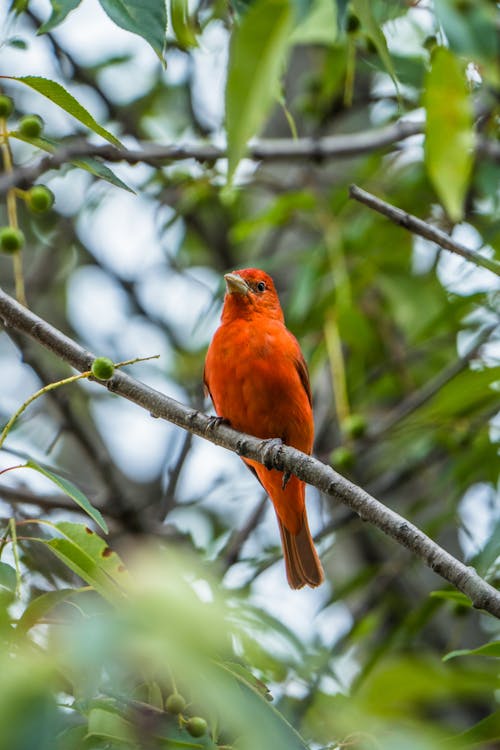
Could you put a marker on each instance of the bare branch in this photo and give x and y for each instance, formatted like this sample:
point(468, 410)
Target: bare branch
point(278, 149)
point(417, 226)
point(283, 458)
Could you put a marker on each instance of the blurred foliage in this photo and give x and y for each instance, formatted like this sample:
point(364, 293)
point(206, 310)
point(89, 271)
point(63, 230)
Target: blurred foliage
point(186, 594)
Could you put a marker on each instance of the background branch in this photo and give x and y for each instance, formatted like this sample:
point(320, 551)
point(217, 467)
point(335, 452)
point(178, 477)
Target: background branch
point(273, 149)
point(306, 467)
point(417, 226)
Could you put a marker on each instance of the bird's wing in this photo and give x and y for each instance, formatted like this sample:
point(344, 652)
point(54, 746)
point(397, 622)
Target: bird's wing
point(206, 389)
point(301, 367)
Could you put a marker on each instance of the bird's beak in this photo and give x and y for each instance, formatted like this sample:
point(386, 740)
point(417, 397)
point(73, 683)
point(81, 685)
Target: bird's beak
point(235, 284)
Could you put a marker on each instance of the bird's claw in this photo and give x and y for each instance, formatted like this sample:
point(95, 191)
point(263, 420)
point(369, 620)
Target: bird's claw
point(214, 422)
point(285, 480)
point(270, 452)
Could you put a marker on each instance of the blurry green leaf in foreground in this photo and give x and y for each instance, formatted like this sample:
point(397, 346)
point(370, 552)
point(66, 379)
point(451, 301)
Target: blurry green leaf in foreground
point(256, 55)
point(39, 607)
point(449, 136)
point(147, 18)
point(172, 622)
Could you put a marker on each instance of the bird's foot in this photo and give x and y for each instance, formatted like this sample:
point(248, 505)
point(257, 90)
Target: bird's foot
point(214, 422)
point(271, 451)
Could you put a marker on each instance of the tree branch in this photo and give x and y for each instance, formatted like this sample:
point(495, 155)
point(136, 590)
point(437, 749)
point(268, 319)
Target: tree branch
point(283, 458)
point(417, 226)
point(274, 149)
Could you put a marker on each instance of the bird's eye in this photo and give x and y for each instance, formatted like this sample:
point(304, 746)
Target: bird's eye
point(261, 286)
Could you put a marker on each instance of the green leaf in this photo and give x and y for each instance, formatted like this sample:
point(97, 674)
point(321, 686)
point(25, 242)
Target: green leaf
point(60, 9)
point(280, 212)
point(449, 135)
point(471, 30)
point(452, 596)
point(371, 27)
point(88, 555)
point(342, 6)
point(96, 547)
point(181, 24)
point(8, 577)
point(319, 26)
point(238, 670)
point(73, 492)
point(146, 18)
point(489, 553)
point(17, 42)
point(39, 607)
point(485, 733)
point(488, 649)
point(66, 101)
point(288, 735)
point(99, 169)
point(109, 724)
point(257, 52)
point(90, 164)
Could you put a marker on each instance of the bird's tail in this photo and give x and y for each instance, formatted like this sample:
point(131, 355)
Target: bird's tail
point(303, 567)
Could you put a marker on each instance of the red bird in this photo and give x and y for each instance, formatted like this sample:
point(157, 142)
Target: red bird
point(257, 379)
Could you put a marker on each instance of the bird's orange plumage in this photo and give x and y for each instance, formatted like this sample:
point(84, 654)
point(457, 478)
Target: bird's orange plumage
point(257, 378)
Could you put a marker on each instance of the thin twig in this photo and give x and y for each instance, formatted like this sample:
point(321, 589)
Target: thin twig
point(282, 458)
point(240, 536)
point(174, 472)
point(417, 226)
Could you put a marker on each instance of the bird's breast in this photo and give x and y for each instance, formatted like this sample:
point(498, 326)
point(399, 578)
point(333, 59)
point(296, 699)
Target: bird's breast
point(253, 379)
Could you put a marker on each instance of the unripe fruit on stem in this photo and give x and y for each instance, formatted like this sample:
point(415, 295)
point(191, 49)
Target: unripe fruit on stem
point(102, 368)
point(31, 126)
point(196, 726)
point(11, 240)
point(342, 457)
point(6, 106)
point(39, 199)
point(353, 23)
point(354, 425)
point(175, 703)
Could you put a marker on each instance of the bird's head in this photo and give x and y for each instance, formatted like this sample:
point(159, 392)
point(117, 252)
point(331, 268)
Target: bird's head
point(250, 292)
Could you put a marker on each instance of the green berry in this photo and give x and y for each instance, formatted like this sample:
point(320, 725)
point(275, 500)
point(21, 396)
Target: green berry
point(39, 199)
point(31, 126)
point(342, 457)
point(196, 726)
point(354, 425)
point(19, 6)
point(6, 106)
point(370, 45)
point(353, 23)
point(175, 703)
point(102, 368)
point(430, 42)
point(11, 240)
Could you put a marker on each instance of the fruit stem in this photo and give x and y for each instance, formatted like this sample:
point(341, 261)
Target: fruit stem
point(45, 389)
point(12, 213)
